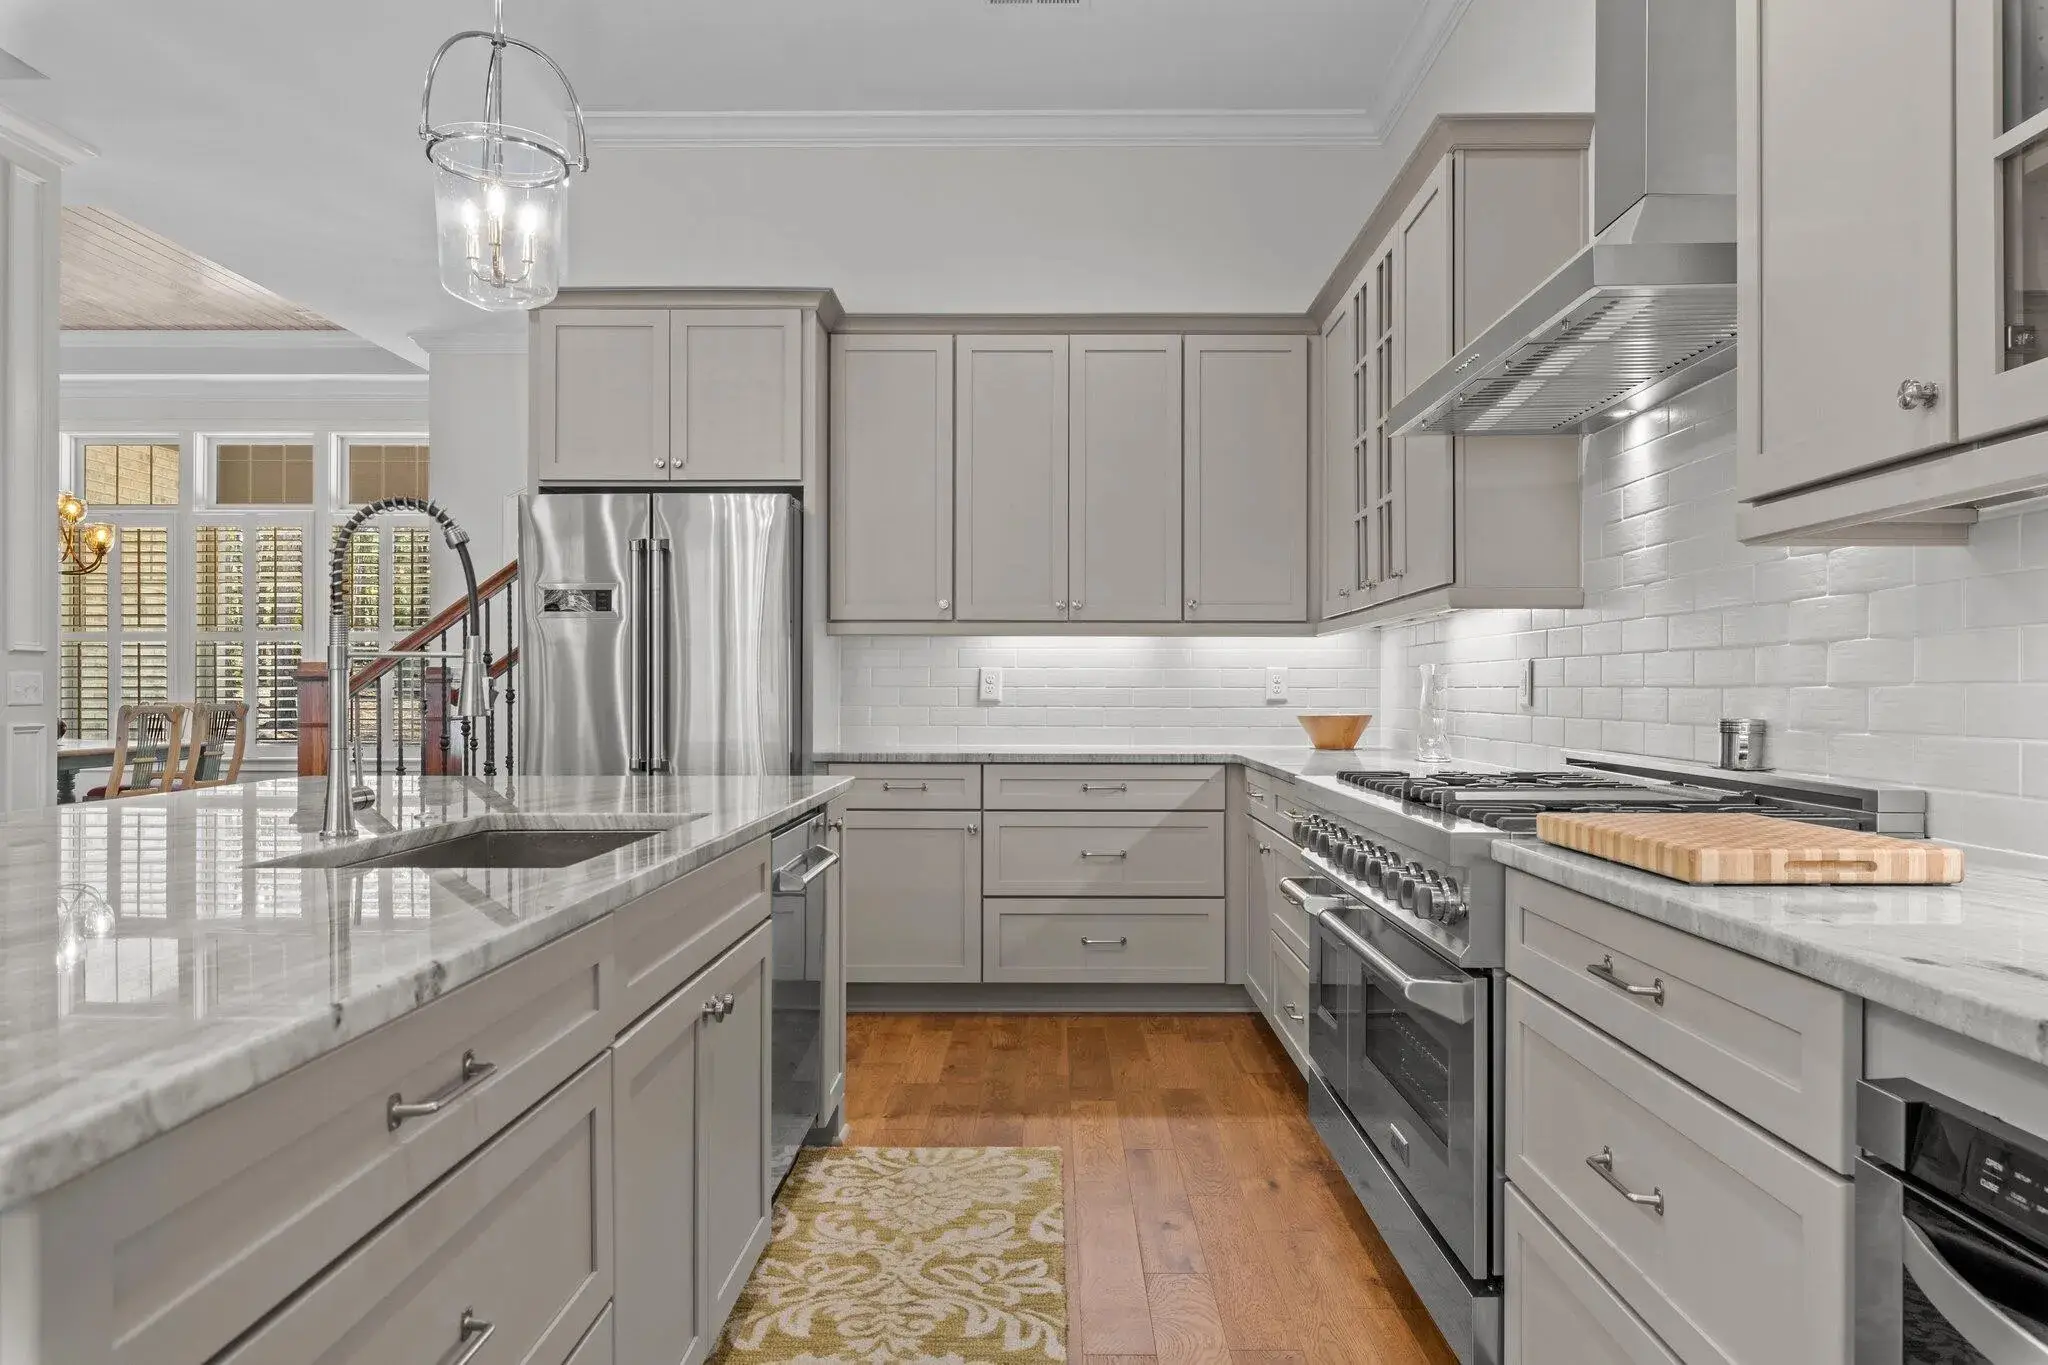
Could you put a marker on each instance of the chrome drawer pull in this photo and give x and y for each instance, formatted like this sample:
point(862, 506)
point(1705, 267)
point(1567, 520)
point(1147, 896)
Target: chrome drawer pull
point(1603, 970)
point(799, 872)
point(1255, 793)
point(1105, 786)
point(473, 1333)
point(906, 786)
point(718, 1006)
point(1603, 1164)
point(1087, 942)
point(1296, 1015)
point(398, 1109)
point(1119, 857)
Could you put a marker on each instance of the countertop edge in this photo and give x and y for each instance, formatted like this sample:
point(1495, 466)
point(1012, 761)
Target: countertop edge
point(175, 1093)
point(1860, 971)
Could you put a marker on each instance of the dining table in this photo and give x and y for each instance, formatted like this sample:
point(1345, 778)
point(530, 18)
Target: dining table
point(75, 756)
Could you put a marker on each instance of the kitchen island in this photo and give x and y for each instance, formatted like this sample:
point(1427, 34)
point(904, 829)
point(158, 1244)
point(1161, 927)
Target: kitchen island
point(227, 1058)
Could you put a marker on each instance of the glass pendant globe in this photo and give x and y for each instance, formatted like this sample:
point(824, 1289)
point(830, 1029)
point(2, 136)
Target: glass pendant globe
point(500, 197)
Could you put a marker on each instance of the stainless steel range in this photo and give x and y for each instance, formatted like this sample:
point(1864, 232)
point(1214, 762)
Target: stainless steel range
point(1409, 920)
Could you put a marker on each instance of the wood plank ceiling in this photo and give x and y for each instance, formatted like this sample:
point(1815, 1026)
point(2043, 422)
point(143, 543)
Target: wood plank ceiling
point(120, 277)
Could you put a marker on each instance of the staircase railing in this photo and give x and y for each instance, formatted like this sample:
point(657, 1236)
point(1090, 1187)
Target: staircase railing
point(445, 746)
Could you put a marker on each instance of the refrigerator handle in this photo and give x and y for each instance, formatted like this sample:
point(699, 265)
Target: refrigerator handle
point(642, 630)
point(662, 658)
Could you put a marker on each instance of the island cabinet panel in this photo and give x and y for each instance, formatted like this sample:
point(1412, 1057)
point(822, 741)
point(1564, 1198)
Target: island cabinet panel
point(517, 1243)
point(1258, 917)
point(1558, 1312)
point(1245, 537)
point(598, 1346)
point(1125, 473)
point(1011, 460)
point(1777, 1048)
point(1291, 994)
point(1080, 853)
point(913, 895)
point(891, 497)
point(1059, 786)
point(832, 1040)
point(692, 1093)
point(166, 1254)
point(1734, 1249)
point(669, 935)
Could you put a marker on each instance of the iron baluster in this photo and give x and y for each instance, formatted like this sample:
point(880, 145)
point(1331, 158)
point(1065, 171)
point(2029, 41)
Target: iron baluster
point(512, 669)
point(490, 703)
point(441, 644)
point(377, 702)
point(398, 718)
point(469, 724)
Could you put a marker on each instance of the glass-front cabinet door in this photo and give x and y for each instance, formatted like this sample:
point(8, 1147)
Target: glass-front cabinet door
point(2001, 214)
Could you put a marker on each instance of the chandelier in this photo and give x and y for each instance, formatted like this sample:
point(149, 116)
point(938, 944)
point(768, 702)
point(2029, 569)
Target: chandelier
point(81, 548)
point(500, 191)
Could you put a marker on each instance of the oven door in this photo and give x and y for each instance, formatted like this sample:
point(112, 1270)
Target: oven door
point(1937, 1285)
point(1415, 1068)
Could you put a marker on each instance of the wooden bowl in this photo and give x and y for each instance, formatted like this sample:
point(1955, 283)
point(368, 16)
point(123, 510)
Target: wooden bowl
point(1334, 732)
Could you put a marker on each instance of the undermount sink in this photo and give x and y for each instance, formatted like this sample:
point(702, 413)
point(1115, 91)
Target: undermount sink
point(512, 848)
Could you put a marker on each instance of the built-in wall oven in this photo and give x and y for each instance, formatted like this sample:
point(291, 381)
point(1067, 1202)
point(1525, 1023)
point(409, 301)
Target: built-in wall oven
point(1951, 1233)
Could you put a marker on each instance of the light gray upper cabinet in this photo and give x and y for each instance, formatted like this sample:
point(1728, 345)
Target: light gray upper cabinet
point(736, 395)
point(1245, 544)
point(600, 400)
point(891, 494)
point(1011, 447)
point(912, 895)
point(1425, 260)
point(1846, 236)
point(1124, 481)
point(1336, 444)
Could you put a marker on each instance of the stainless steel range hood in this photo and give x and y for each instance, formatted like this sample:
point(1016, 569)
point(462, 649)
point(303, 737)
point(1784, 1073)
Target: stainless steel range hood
point(1648, 309)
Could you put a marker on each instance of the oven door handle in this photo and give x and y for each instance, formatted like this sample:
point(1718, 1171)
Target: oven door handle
point(1450, 1001)
point(1981, 1322)
point(800, 871)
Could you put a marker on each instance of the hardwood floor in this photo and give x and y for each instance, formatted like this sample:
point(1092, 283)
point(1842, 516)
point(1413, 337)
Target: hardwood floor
point(1205, 1221)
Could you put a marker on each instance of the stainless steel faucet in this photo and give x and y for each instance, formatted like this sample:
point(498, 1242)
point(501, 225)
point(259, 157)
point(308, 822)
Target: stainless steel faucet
point(472, 677)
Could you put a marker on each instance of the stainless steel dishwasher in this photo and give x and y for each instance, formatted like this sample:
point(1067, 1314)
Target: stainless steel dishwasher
point(800, 857)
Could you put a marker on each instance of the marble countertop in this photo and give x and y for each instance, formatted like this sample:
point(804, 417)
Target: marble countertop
point(1971, 958)
point(152, 967)
point(1291, 760)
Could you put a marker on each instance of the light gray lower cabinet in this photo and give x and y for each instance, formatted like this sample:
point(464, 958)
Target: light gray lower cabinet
point(1258, 917)
point(833, 1031)
point(691, 1142)
point(1558, 1311)
point(1290, 1000)
point(1102, 939)
point(597, 1347)
point(913, 895)
point(1082, 853)
point(514, 1249)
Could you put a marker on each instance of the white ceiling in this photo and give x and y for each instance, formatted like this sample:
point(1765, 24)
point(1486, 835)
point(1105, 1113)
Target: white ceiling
point(276, 136)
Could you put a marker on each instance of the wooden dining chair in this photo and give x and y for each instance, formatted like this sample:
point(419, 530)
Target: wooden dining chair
point(220, 738)
point(148, 751)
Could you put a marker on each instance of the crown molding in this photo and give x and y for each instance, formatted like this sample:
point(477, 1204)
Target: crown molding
point(52, 144)
point(675, 130)
point(480, 340)
point(1418, 52)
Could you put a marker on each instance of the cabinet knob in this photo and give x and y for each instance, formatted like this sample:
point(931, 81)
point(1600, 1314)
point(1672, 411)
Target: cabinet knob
point(1059, 606)
point(835, 825)
point(1192, 604)
point(1343, 592)
point(661, 464)
point(973, 831)
point(1918, 393)
point(1075, 604)
point(945, 604)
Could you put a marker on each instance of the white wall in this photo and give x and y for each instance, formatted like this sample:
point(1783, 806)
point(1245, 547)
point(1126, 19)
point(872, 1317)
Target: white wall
point(909, 690)
point(476, 420)
point(1922, 667)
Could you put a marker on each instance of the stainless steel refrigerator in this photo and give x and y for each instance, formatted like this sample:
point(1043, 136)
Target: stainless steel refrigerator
point(661, 633)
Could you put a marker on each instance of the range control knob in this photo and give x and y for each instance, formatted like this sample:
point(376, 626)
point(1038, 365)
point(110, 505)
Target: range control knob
point(1407, 889)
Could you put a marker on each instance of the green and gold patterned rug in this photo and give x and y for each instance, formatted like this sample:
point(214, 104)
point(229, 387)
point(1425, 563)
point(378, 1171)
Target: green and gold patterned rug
point(902, 1255)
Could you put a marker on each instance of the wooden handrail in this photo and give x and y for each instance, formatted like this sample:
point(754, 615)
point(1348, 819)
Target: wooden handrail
point(445, 619)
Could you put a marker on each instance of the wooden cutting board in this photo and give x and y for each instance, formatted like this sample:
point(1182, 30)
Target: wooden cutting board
point(1754, 850)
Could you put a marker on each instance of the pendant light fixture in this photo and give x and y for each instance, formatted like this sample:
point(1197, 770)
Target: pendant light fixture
point(500, 191)
point(81, 546)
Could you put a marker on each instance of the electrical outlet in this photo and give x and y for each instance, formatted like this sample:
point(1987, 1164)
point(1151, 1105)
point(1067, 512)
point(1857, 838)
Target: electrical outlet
point(1528, 684)
point(1276, 684)
point(24, 688)
point(991, 685)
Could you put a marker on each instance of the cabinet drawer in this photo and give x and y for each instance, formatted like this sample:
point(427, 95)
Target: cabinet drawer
point(1748, 1262)
point(1775, 1047)
point(1558, 1311)
point(1056, 786)
point(1290, 921)
point(182, 1244)
point(911, 786)
point(1102, 940)
point(519, 1238)
point(1290, 1000)
point(1269, 799)
point(668, 936)
point(1141, 853)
